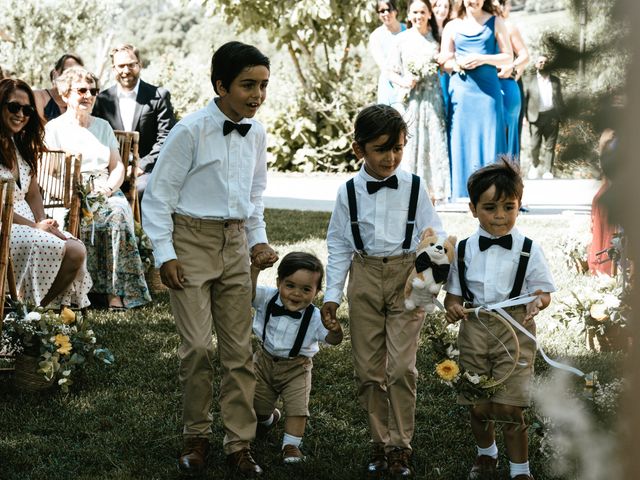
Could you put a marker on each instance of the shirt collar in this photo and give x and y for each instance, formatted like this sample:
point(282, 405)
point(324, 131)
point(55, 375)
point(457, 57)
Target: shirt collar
point(128, 93)
point(369, 178)
point(484, 233)
point(219, 115)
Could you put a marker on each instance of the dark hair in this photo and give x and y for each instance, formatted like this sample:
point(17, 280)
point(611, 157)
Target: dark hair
point(487, 6)
point(433, 23)
point(294, 261)
point(61, 61)
point(504, 174)
point(231, 59)
point(391, 3)
point(30, 140)
point(377, 120)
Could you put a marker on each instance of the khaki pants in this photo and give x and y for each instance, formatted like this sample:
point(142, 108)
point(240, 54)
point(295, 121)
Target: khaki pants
point(217, 294)
point(384, 339)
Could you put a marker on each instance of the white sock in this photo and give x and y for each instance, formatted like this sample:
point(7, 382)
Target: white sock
point(291, 440)
point(519, 469)
point(267, 422)
point(491, 451)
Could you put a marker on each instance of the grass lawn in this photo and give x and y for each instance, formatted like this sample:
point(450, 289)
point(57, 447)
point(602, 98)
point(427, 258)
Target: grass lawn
point(123, 422)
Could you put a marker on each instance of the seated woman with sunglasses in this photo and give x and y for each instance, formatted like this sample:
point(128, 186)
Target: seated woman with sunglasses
point(49, 264)
point(112, 251)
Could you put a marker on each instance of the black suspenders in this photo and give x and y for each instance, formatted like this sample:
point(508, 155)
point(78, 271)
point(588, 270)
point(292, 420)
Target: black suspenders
point(302, 331)
point(520, 273)
point(411, 217)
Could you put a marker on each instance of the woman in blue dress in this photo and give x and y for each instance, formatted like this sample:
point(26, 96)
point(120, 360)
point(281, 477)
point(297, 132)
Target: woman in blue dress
point(509, 76)
point(381, 42)
point(442, 13)
point(473, 46)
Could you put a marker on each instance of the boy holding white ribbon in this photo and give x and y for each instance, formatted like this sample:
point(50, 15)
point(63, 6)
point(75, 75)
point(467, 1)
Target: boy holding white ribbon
point(495, 264)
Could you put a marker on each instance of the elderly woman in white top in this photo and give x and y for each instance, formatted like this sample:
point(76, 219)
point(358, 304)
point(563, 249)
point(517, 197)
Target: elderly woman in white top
point(108, 232)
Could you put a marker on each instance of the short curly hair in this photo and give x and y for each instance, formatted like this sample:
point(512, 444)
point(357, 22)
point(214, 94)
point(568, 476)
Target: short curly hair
point(74, 74)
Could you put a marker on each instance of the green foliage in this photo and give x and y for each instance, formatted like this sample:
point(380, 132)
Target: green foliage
point(313, 128)
point(42, 31)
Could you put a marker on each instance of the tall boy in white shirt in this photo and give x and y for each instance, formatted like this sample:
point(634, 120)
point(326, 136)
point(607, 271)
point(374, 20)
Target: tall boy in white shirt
point(494, 264)
point(203, 211)
point(373, 233)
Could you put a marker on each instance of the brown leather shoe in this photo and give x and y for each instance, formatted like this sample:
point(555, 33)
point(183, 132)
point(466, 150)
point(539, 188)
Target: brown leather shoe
point(243, 463)
point(377, 466)
point(263, 430)
point(399, 463)
point(193, 458)
point(483, 467)
point(291, 455)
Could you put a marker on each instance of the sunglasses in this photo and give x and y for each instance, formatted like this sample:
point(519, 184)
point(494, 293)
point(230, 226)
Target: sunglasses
point(15, 107)
point(84, 90)
point(384, 10)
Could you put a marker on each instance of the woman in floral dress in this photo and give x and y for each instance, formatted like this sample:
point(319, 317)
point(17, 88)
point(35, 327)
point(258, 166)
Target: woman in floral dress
point(107, 228)
point(415, 70)
point(49, 264)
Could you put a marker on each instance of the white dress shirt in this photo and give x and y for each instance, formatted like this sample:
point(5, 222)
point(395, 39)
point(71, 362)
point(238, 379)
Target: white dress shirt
point(127, 104)
point(490, 275)
point(202, 173)
point(382, 218)
point(283, 330)
point(546, 93)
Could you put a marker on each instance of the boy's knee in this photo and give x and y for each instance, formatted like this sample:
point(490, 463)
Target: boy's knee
point(510, 414)
point(482, 411)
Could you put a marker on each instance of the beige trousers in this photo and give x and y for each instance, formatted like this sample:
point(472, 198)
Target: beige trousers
point(217, 295)
point(384, 339)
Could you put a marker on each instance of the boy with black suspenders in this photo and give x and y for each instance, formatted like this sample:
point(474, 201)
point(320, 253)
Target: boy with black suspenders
point(373, 233)
point(495, 264)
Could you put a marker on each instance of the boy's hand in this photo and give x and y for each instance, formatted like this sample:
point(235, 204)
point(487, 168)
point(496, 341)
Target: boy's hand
point(533, 308)
point(328, 314)
point(455, 312)
point(172, 275)
point(263, 256)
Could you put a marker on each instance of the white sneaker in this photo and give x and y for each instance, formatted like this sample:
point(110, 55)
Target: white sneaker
point(533, 174)
point(547, 176)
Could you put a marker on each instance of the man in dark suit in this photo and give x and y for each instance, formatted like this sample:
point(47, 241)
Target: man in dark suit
point(543, 106)
point(134, 105)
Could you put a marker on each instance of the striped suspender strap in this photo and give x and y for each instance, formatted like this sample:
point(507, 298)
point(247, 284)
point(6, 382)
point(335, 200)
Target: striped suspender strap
point(522, 268)
point(353, 214)
point(411, 217)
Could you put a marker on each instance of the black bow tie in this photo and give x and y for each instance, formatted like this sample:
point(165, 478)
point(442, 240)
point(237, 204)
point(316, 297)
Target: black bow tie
point(391, 182)
point(505, 241)
point(440, 272)
point(278, 310)
point(242, 128)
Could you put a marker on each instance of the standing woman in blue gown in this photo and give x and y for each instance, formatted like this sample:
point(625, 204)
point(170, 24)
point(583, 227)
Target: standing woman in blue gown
point(442, 13)
point(381, 42)
point(509, 76)
point(473, 46)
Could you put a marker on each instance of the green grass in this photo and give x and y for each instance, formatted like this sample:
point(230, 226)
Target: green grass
point(123, 422)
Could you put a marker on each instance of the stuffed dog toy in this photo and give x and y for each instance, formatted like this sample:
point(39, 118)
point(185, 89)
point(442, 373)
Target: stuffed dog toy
point(433, 259)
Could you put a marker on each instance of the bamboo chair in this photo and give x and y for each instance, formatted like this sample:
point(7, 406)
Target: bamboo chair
point(7, 277)
point(131, 159)
point(59, 179)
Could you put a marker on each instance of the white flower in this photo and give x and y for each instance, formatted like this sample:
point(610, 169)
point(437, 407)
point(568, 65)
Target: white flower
point(66, 373)
point(452, 351)
point(62, 381)
point(472, 377)
point(33, 316)
point(90, 333)
point(611, 301)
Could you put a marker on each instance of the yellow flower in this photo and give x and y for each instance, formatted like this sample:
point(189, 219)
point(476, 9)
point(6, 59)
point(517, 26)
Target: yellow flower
point(86, 213)
point(63, 342)
point(67, 315)
point(447, 370)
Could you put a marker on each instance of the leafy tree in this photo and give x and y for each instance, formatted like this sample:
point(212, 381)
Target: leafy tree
point(42, 31)
point(322, 39)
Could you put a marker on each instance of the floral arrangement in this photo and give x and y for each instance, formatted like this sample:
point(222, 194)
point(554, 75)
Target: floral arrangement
point(421, 71)
point(575, 251)
point(63, 342)
point(144, 246)
point(448, 369)
point(598, 305)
